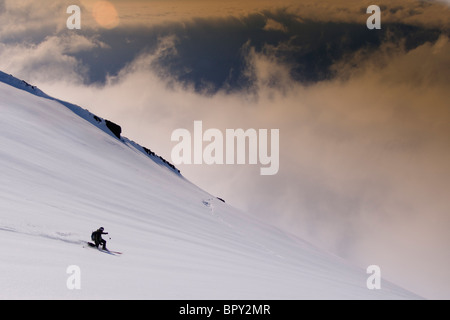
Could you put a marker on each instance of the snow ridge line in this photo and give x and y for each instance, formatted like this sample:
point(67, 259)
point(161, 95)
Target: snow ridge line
point(105, 125)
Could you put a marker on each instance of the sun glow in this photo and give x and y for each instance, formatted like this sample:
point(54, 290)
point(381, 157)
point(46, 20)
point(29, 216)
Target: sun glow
point(105, 14)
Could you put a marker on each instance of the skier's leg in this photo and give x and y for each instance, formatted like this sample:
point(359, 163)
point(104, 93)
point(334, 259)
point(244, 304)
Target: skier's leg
point(104, 244)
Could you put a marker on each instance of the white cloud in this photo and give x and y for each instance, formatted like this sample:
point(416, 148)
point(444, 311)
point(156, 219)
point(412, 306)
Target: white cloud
point(273, 25)
point(49, 60)
point(26, 17)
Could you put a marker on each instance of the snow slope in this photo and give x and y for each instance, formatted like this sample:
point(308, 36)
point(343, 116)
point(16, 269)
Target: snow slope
point(64, 175)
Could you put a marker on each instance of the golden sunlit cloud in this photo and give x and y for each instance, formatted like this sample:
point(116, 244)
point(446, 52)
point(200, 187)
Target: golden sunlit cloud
point(105, 14)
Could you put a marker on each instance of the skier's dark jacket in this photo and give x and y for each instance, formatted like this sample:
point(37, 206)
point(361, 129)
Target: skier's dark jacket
point(97, 236)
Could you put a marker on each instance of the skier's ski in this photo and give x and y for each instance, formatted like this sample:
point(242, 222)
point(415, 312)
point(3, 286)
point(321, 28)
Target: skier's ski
point(113, 253)
point(109, 251)
point(91, 245)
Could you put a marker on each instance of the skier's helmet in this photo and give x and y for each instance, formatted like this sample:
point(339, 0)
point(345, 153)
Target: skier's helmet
point(101, 229)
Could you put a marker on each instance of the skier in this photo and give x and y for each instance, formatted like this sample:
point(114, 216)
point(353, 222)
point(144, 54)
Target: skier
point(97, 238)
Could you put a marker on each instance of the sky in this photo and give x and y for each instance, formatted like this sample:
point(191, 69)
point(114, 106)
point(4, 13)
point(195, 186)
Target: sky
point(363, 114)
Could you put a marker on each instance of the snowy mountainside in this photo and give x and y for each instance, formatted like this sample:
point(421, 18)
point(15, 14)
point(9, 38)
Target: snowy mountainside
point(64, 174)
point(107, 126)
